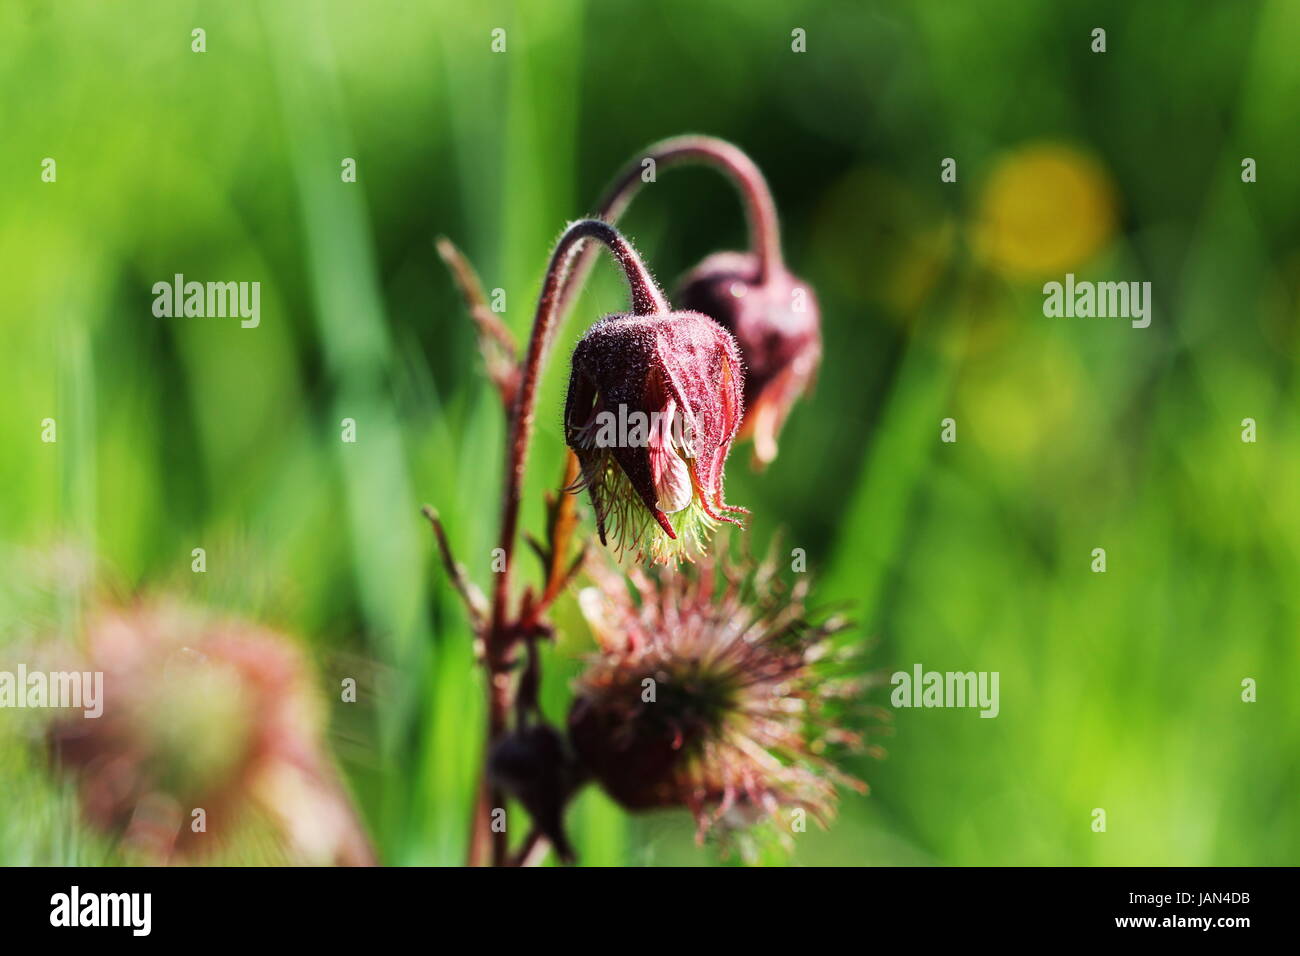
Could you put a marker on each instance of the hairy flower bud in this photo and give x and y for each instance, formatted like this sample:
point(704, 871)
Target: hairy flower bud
point(654, 404)
point(773, 315)
point(777, 325)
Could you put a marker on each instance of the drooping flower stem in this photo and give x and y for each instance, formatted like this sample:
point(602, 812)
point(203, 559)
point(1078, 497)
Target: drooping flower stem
point(505, 630)
point(731, 161)
point(646, 300)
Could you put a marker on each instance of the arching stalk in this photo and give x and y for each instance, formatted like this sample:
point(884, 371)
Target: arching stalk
point(502, 635)
point(731, 161)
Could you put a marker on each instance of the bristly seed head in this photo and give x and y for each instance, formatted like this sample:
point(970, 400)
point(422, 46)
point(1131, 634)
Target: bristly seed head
point(712, 691)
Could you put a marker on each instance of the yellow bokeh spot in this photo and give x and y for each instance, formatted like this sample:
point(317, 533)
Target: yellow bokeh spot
point(1045, 209)
point(1025, 401)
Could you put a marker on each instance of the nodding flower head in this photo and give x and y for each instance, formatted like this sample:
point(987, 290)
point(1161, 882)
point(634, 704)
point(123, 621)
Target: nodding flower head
point(654, 404)
point(777, 324)
point(712, 691)
point(773, 314)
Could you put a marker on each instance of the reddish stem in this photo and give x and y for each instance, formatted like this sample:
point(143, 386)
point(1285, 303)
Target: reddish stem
point(732, 162)
point(646, 300)
point(504, 632)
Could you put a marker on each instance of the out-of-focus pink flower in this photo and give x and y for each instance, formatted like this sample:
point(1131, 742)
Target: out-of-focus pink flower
point(212, 715)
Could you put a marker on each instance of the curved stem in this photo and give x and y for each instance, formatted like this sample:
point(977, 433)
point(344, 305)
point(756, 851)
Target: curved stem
point(503, 632)
point(731, 161)
point(646, 300)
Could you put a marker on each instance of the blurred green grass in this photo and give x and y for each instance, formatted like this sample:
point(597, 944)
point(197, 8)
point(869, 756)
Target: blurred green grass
point(1120, 690)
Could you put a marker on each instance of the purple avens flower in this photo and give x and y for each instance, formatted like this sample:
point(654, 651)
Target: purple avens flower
point(716, 699)
point(773, 315)
point(777, 324)
point(654, 404)
point(673, 382)
point(712, 691)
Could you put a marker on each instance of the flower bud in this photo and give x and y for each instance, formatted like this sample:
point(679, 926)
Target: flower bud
point(534, 765)
point(654, 404)
point(777, 325)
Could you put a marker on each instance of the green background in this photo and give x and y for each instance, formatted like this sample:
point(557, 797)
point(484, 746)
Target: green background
point(1119, 691)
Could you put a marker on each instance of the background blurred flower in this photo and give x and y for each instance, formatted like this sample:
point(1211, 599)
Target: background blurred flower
point(1045, 208)
point(201, 713)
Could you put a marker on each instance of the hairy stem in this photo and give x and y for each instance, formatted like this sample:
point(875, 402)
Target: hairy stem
point(503, 633)
point(646, 300)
